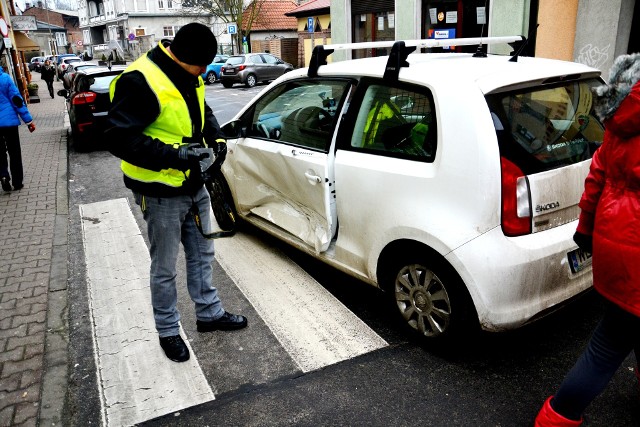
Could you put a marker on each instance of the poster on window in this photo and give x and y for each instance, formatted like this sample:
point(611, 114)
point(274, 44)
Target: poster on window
point(433, 15)
point(449, 33)
point(481, 15)
point(381, 23)
point(452, 17)
point(391, 19)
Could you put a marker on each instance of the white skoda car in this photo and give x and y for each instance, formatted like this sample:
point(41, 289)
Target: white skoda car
point(450, 180)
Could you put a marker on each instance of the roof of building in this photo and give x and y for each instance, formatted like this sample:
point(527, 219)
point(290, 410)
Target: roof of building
point(311, 7)
point(272, 16)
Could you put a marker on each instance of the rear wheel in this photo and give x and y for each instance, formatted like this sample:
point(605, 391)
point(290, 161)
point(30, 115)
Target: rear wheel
point(431, 297)
point(251, 80)
point(211, 78)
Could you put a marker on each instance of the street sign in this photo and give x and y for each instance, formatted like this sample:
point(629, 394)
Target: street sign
point(131, 36)
point(79, 43)
point(310, 24)
point(232, 28)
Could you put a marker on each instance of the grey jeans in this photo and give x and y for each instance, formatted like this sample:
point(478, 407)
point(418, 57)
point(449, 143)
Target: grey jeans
point(170, 222)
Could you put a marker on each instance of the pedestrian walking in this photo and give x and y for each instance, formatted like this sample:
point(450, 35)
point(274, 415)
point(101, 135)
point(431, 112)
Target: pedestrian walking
point(609, 227)
point(157, 120)
point(47, 73)
point(12, 109)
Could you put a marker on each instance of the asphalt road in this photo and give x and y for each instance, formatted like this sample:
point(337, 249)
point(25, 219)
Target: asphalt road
point(494, 380)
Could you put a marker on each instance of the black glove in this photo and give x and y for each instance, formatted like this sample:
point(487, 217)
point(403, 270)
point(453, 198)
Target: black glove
point(584, 241)
point(192, 154)
point(220, 149)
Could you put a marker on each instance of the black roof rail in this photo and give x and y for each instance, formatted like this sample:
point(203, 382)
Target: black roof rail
point(400, 50)
point(318, 57)
point(397, 59)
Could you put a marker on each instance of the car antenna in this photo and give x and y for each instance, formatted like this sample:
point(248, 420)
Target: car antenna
point(520, 45)
point(479, 52)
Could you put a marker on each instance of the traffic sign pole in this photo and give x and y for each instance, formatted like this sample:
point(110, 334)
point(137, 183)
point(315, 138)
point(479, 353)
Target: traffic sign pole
point(310, 25)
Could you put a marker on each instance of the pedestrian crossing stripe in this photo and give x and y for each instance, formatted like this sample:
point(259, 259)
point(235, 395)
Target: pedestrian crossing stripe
point(137, 381)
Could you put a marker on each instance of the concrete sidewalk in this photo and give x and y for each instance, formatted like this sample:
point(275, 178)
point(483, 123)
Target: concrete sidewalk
point(33, 273)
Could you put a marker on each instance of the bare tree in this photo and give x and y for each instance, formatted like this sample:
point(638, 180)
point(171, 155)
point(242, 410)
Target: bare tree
point(242, 12)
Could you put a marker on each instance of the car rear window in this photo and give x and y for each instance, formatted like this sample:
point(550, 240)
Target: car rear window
point(544, 128)
point(235, 60)
point(95, 83)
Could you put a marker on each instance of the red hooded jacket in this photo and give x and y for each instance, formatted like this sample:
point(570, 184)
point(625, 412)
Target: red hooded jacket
point(611, 207)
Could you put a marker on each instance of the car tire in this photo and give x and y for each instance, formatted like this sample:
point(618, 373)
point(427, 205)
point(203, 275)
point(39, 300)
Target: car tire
point(430, 297)
point(251, 80)
point(211, 78)
point(227, 84)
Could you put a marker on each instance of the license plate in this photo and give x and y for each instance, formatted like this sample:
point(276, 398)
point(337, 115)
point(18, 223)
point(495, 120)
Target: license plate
point(229, 71)
point(579, 260)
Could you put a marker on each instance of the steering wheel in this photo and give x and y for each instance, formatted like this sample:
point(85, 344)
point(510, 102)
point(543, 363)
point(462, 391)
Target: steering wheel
point(313, 117)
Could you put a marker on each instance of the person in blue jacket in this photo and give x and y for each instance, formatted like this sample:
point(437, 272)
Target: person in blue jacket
point(12, 109)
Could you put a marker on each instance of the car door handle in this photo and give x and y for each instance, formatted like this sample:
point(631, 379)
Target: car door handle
point(314, 179)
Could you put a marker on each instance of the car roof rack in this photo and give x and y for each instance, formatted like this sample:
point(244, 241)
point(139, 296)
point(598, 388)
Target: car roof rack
point(400, 50)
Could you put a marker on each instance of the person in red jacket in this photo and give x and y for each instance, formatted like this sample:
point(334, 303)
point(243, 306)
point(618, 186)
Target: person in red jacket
point(609, 227)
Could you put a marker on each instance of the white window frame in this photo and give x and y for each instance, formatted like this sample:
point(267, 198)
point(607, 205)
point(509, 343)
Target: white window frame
point(61, 39)
point(86, 37)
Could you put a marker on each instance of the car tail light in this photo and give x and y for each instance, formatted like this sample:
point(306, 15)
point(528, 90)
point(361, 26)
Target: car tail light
point(241, 67)
point(516, 208)
point(222, 69)
point(84, 98)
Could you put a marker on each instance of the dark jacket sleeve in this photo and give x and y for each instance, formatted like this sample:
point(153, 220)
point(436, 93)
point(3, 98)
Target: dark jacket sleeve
point(134, 107)
point(211, 130)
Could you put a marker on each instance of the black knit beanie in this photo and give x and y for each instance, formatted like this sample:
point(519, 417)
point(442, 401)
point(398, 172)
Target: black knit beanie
point(194, 44)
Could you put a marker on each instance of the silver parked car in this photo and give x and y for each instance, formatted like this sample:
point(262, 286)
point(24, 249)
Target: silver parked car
point(251, 68)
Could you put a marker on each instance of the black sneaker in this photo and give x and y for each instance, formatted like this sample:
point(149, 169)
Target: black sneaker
point(228, 322)
point(5, 183)
point(175, 348)
point(17, 187)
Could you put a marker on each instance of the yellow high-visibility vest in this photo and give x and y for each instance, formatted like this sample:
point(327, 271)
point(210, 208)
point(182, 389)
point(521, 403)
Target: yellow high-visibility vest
point(173, 122)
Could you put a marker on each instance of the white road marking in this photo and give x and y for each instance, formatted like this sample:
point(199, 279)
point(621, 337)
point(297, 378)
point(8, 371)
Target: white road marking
point(137, 381)
point(314, 327)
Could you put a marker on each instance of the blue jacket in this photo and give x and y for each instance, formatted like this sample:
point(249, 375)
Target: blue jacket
point(11, 103)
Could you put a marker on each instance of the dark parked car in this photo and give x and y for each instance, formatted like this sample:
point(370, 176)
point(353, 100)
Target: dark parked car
point(251, 68)
point(72, 69)
point(212, 74)
point(35, 63)
point(88, 104)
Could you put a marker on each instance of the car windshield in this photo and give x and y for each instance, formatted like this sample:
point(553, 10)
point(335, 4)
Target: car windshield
point(544, 129)
point(235, 60)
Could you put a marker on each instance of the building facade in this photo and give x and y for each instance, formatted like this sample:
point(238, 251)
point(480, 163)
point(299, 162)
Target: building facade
point(131, 27)
point(593, 32)
point(314, 28)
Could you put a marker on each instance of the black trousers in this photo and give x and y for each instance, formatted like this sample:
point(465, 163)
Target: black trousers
point(10, 144)
point(50, 87)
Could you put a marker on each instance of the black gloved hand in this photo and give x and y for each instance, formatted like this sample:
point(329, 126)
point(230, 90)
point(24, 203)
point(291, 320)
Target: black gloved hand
point(220, 149)
point(584, 241)
point(192, 156)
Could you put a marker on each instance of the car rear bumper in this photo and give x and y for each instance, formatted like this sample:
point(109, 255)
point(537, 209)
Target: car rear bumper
point(234, 78)
point(515, 280)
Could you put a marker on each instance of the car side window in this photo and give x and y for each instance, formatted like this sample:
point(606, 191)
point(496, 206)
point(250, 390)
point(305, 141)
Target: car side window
point(396, 121)
point(256, 59)
point(270, 59)
point(301, 112)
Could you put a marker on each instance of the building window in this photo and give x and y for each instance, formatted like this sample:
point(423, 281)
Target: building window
point(373, 27)
point(168, 31)
point(61, 39)
point(141, 5)
point(86, 37)
point(160, 4)
point(140, 32)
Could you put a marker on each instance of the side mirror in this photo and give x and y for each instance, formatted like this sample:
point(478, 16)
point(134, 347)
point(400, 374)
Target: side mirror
point(64, 93)
point(233, 129)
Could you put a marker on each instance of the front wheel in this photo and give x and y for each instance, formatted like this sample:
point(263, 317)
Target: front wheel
point(432, 299)
point(251, 80)
point(210, 78)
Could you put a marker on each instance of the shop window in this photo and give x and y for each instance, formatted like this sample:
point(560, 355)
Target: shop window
point(447, 19)
point(373, 27)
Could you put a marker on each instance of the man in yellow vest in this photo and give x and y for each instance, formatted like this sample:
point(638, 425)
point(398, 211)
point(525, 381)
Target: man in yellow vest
point(158, 119)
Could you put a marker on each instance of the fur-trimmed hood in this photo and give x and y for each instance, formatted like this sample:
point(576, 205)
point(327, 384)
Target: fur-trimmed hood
point(624, 74)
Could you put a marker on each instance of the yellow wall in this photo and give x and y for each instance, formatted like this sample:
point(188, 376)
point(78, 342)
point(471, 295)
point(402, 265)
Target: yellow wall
point(557, 19)
point(318, 38)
